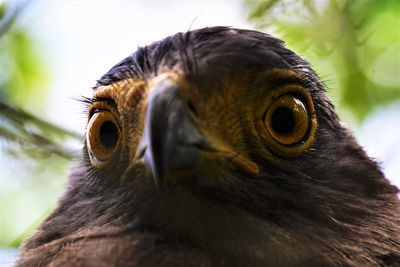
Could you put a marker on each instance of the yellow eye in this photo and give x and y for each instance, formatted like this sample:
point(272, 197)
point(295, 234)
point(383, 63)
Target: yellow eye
point(102, 136)
point(287, 120)
point(290, 122)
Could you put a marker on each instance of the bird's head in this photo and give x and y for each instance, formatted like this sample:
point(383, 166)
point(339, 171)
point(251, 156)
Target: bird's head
point(216, 131)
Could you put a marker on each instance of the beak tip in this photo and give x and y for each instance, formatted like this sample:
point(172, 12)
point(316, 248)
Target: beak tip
point(153, 171)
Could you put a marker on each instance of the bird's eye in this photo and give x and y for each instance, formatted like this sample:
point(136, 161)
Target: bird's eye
point(103, 136)
point(287, 120)
point(290, 122)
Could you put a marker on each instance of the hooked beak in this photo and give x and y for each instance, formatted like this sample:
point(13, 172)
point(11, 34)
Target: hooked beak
point(171, 141)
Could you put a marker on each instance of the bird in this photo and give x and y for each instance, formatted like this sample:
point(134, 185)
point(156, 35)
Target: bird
point(218, 147)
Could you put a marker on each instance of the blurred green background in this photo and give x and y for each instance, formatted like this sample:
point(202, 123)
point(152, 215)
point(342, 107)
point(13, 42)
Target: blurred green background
point(51, 53)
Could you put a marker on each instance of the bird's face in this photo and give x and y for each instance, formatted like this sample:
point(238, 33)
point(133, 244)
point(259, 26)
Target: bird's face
point(222, 137)
point(191, 144)
point(240, 122)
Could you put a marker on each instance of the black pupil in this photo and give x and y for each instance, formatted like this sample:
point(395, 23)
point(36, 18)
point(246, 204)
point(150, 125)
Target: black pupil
point(109, 135)
point(283, 121)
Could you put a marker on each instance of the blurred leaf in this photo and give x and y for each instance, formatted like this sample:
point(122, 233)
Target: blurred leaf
point(7, 16)
point(23, 76)
point(262, 8)
point(32, 132)
point(22, 82)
